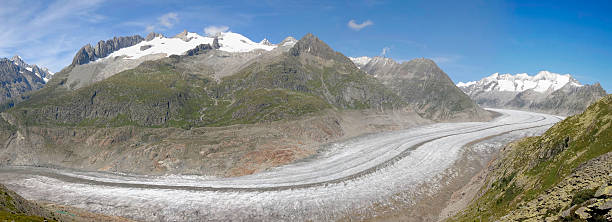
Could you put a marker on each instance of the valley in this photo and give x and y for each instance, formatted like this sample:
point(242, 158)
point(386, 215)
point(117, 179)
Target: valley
point(365, 110)
point(349, 179)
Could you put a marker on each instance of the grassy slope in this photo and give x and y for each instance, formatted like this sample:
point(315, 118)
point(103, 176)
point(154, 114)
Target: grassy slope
point(162, 94)
point(14, 208)
point(156, 94)
point(531, 166)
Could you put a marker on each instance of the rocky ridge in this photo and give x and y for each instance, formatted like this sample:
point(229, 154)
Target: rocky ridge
point(89, 53)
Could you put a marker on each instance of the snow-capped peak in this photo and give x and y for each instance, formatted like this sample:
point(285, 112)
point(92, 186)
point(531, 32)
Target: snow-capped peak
point(184, 41)
point(43, 73)
point(542, 82)
point(288, 42)
point(360, 61)
point(265, 42)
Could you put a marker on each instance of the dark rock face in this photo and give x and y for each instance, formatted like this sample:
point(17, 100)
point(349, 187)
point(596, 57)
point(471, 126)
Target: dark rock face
point(153, 35)
point(216, 43)
point(104, 48)
point(203, 48)
point(16, 80)
point(145, 47)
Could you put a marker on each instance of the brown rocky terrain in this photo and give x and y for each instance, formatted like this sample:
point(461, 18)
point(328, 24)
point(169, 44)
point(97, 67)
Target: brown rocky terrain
point(221, 151)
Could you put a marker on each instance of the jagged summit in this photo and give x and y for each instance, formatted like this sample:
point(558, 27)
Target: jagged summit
point(153, 35)
point(89, 53)
point(310, 44)
point(41, 72)
point(266, 42)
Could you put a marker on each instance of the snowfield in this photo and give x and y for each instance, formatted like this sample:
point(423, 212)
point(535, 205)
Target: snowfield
point(344, 179)
point(544, 81)
point(229, 41)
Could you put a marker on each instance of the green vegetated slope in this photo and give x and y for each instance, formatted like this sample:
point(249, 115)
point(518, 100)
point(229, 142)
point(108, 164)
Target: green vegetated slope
point(548, 177)
point(14, 208)
point(309, 78)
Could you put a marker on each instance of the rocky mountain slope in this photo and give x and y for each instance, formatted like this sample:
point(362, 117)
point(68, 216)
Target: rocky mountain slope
point(423, 85)
point(220, 108)
point(545, 92)
point(15, 208)
point(562, 175)
point(18, 77)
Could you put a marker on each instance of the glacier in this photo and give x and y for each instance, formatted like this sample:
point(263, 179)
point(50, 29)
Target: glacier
point(344, 180)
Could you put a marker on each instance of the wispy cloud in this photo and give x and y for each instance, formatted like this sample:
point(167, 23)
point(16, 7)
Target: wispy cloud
point(446, 59)
point(164, 22)
point(384, 51)
point(356, 26)
point(214, 30)
point(168, 20)
point(44, 32)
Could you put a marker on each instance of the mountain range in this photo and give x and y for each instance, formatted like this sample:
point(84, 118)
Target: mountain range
point(545, 92)
point(157, 93)
point(220, 105)
point(18, 78)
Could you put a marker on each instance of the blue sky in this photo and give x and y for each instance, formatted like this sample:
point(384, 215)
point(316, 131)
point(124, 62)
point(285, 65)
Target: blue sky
point(468, 39)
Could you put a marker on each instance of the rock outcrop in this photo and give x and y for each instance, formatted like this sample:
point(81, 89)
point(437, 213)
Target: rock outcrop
point(89, 53)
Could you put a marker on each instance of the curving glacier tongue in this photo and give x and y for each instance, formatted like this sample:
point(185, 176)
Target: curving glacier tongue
point(347, 179)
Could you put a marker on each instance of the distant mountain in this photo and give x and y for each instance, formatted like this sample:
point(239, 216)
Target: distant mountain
point(545, 92)
point(423, 85)
point(41, 72)
point(18, 77)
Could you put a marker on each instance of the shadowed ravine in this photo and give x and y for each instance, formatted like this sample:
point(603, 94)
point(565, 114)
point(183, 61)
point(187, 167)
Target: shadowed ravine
point(343, 179)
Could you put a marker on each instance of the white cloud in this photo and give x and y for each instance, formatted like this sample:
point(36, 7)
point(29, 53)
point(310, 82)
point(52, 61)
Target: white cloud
point(150, 28)
point(213, 30)
point(164, 22)
point(384, 51)
point(168, 20)
point(356, 26)
point(48, 33)
point(446, 59)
